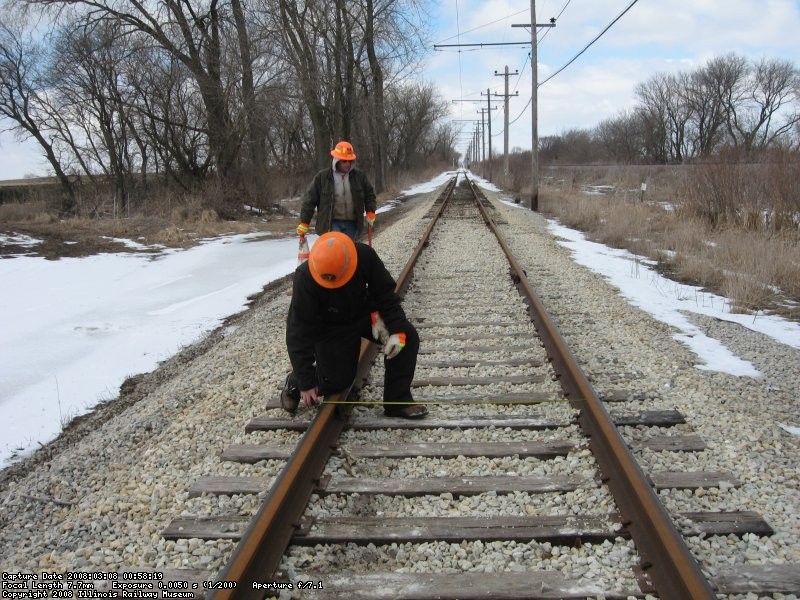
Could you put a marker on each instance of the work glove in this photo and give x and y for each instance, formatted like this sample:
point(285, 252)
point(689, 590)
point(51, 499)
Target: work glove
point(379, 331)
point(395, 343)
point(302, 229)
point(370, 218)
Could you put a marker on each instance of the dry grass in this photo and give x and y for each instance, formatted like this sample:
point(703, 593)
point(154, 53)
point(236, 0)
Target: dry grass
point(183, 226)
point(757, 268)
point(164, 216)
point(29, 212)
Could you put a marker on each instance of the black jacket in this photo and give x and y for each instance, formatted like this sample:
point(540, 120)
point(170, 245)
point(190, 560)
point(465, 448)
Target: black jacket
point(316, 312)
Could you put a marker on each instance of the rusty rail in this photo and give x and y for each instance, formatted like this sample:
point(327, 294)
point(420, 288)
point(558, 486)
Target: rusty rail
point(665, 557)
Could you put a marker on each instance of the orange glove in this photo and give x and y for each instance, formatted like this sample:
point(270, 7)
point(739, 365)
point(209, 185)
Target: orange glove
point(302, 229)
point(370, 218)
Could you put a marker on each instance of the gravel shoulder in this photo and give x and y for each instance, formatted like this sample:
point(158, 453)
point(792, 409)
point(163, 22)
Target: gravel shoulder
point(99, 498)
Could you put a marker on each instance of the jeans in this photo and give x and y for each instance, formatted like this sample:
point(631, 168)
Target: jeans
point(347, 227)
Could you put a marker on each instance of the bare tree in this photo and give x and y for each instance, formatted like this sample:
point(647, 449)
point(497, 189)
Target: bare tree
point(305, 27)
point(769, 108)
point(394, 33)
point(339, 49)
point(709, 92)
point(88, 86)
point(413, 111)
point(191, 32)
point(666, 114)
point(377, 113)
point(255, 140)
point(23, 96)
point(622, 137)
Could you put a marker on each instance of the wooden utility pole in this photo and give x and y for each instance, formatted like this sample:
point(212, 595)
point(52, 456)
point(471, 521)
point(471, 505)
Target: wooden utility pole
point(488, 117)
point(489, 110)
point(533, 203)
point(489, 121)
point(483, 135)
point(506, 96)
point(535, 112)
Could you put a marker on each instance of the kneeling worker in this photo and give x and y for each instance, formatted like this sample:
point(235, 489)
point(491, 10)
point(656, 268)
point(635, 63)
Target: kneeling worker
point(341, 294)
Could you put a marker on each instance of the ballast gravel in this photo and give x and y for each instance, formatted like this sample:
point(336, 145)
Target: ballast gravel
point(102, 502)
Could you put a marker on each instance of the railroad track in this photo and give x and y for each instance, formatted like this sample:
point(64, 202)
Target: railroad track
point(518, 484)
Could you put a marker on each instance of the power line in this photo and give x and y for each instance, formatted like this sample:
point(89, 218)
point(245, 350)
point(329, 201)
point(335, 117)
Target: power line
point(599, 35)
point(556, 18)
point(482, 44)
point(527, 56)
point(484, 25)
point(574, 58)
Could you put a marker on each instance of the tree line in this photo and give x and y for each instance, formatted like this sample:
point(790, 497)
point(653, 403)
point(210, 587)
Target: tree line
point(127, 94)
point(729, 105)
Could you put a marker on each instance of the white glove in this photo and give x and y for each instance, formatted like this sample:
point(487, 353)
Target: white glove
point(394, 344)
point(379, 331)
point(309, 398)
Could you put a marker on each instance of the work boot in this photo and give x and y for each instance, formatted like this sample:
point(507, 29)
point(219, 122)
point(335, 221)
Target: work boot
point(290, 395)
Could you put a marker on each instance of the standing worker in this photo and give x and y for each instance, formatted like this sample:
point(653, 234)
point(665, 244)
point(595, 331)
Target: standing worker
point(341, 294)
point(342, 196)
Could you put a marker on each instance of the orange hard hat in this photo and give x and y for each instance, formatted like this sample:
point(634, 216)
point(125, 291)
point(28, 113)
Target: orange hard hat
point(344, 151)
point(332, 260)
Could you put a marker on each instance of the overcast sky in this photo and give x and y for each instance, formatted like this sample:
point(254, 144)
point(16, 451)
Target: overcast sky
point(653, 36)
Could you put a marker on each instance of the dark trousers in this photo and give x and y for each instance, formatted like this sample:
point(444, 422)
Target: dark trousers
point(337, 360)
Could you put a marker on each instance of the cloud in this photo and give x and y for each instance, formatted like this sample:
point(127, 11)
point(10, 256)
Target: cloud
point(19, 159)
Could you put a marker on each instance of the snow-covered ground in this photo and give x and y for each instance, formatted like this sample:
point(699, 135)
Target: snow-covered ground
point(72, 330)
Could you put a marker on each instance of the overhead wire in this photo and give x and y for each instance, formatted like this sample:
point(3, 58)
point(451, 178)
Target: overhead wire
point(585, 48)
point(458, 35)
point(568, 63)
point(574, 58)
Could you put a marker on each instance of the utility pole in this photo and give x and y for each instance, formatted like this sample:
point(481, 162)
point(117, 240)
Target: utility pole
point(487, 112)
point(533, 203)
point(506, 96)
point(483, 134)
point(489, 119)
point(471, 147)
point(535, 109)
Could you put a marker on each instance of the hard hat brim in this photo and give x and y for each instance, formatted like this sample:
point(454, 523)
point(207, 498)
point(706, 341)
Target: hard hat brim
point(335, 154)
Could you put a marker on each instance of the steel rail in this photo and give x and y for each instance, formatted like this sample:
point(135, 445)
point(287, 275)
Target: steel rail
point(665, 557)
point(259, 552)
